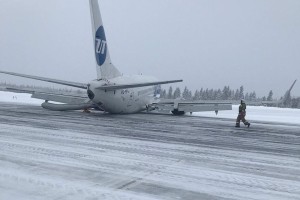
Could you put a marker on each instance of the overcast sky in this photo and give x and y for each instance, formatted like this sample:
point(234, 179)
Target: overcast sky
point(207, 43)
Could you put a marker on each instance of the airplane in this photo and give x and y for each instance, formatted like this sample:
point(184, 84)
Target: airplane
point(113, 92)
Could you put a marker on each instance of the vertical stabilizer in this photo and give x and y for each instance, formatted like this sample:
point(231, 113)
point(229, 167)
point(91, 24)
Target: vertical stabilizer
point(105, 69)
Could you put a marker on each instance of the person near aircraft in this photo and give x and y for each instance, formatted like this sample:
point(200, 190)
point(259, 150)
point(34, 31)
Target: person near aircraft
point(241, 115)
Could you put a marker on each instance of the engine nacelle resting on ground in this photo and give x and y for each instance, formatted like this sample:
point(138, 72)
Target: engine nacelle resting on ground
point(65, 107)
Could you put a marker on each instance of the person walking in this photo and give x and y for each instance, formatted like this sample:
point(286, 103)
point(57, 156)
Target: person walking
point(241, 115)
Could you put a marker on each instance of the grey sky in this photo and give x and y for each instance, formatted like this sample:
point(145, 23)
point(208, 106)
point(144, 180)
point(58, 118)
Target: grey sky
point(208, 43)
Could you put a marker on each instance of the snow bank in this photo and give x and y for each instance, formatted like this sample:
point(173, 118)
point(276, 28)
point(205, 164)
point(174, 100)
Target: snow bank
point(259, 113)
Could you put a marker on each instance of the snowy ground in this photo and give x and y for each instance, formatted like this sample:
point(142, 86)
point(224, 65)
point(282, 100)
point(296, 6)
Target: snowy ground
point(20, 98)
point(74, 155)
point(259, 113)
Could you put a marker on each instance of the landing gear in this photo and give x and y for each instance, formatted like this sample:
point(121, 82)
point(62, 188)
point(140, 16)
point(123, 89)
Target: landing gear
point(86, 110)
point(177, 112)
point(150, 108)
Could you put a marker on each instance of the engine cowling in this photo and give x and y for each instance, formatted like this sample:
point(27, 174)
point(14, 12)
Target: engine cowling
point(66, 107)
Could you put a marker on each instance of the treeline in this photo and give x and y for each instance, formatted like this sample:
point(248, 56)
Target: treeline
point(295, 102)
point(227, 94)
point(210, 94)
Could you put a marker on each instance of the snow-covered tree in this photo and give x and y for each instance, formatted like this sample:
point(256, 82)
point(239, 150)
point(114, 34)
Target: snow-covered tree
point(196, 95)
point(226, 93)
point(237, 95)
point(219, 95)
point(241, 95)
point(163, 94)
point(185, 93)
point(247, 96)
point(270, 96)
point(190, 96)
point(170, 93)
point(252, 96)
point(177, 93)
point(201, 93)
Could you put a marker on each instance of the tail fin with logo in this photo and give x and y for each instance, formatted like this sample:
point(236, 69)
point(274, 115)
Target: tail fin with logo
point(105, 69)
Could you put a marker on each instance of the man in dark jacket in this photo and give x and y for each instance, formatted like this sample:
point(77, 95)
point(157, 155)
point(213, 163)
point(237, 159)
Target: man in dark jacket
point(242, 114)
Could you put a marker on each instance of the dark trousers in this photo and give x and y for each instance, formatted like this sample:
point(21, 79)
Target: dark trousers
point(240, 117)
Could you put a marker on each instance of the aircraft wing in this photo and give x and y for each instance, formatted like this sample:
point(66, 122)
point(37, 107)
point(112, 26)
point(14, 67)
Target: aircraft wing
point(262, 103)
point(177, 106)
point(125, 86)
point(64, 101)
point(61, 82)
point(67, 98)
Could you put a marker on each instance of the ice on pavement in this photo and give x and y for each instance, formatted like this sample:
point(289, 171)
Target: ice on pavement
point(66, 155)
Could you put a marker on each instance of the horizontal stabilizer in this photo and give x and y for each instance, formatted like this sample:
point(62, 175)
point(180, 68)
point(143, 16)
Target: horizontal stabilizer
point(125, 86)
point(67, 83)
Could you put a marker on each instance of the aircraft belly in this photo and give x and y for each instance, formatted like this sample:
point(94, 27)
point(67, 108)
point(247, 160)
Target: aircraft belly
point(124, 101)
point(120, 104)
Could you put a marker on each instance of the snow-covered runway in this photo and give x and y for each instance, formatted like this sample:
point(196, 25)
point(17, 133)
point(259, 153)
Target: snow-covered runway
point(75, 155)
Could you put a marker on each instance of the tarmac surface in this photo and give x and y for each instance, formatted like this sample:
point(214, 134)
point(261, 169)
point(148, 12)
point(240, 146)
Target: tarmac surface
point(74, 155)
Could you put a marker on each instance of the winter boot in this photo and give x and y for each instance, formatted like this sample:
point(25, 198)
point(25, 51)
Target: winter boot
point(247, 124)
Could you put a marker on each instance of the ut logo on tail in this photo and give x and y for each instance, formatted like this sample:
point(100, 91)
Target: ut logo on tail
point(100, 46)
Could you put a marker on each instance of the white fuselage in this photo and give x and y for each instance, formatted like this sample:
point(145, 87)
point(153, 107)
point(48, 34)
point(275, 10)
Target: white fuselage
point(131, 100)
